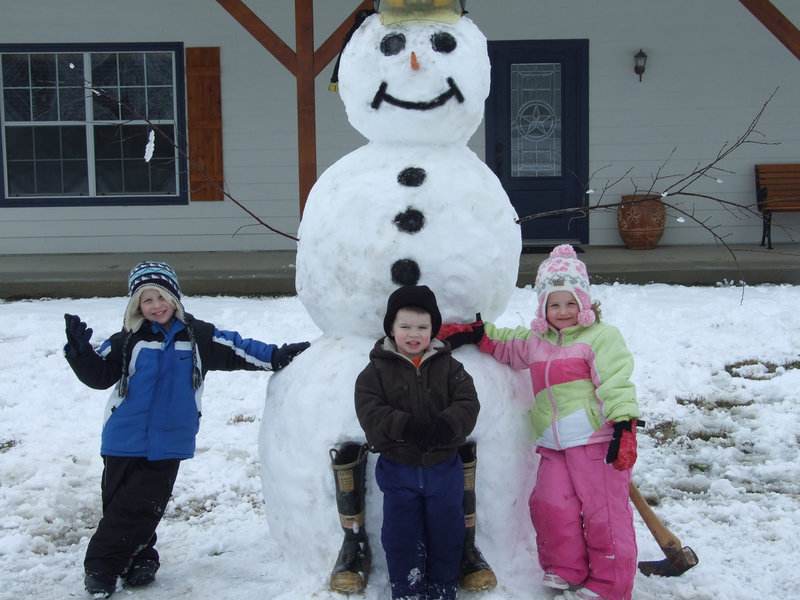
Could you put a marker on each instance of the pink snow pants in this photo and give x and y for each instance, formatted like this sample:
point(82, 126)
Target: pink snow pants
point(584, 521)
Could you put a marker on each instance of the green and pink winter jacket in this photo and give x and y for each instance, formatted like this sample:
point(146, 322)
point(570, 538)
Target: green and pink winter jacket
point(581, 379)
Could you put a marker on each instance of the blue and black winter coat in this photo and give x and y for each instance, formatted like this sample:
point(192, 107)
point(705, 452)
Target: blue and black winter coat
point(159, 415)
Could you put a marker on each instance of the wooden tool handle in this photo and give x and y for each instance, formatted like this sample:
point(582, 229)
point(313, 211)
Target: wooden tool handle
point(667, 540)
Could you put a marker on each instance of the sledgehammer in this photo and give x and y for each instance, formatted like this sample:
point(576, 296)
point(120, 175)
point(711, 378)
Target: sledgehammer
point(678, 559)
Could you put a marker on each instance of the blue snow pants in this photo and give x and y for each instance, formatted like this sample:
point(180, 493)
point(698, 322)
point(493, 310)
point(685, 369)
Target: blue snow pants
point(423, 527)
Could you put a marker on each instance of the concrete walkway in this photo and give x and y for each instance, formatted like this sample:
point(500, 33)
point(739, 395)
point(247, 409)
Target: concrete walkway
point(272, 273)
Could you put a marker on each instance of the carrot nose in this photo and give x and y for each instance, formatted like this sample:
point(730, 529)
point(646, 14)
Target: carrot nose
point(414, 61)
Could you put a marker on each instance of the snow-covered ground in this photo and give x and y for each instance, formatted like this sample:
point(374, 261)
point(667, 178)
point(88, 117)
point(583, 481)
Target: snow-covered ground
point(716, 371)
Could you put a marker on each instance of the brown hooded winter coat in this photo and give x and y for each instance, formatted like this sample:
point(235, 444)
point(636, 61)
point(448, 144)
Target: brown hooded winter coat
point(391, 390)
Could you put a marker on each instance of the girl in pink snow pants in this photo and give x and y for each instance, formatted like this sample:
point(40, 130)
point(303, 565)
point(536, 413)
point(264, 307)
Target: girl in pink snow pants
point(585, 415)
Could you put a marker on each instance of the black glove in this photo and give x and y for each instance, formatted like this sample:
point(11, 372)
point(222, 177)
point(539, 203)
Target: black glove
point(414, 433)
point(438, 433)
point(78, 335)
point(282, 356)
point(457, 334)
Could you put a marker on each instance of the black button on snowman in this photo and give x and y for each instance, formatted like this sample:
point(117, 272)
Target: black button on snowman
point(406, 271)
point(414, 205)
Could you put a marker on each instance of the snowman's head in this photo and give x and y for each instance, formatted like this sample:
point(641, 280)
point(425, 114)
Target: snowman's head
point(419, 81)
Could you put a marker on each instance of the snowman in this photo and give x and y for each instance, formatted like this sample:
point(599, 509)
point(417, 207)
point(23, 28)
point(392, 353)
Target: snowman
point(414, 206)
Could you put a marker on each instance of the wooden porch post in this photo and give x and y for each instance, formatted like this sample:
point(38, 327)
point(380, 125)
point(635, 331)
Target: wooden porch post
point(306, 107)
point(305, 64)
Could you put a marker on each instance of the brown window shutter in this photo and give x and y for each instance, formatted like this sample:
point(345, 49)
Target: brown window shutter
point(204, 111)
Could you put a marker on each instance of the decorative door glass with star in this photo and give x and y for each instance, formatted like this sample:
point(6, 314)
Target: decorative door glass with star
point(536, 120)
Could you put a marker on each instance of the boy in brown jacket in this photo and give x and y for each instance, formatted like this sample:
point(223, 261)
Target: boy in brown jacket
point(417, 404)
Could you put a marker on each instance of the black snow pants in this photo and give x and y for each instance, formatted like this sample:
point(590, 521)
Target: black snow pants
point(135, 493)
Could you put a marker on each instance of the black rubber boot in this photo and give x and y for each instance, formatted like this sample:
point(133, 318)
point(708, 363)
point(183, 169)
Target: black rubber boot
point(351, 571)
point(140, 573)
point(476, 574)
point(100, 586)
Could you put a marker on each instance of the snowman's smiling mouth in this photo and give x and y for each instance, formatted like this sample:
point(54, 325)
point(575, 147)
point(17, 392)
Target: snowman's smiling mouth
point(452, 92)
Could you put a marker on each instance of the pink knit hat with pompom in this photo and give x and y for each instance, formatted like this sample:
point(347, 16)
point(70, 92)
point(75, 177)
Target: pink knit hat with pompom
point(562, 271)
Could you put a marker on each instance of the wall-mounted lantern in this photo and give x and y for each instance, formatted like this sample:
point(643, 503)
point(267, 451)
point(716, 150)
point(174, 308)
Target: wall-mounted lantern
point(640, 59)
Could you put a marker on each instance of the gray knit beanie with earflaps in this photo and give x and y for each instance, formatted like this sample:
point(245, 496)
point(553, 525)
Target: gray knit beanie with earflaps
point(159, 276)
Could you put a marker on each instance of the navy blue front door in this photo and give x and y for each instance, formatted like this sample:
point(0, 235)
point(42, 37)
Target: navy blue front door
point(537, 134)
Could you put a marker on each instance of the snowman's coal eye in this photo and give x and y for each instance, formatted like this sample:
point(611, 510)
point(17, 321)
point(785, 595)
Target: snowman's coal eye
point(393, 44)
point(443, 42)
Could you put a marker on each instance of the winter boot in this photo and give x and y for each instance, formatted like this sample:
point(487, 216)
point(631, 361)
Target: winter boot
point(476, 574)
point(140, 573)
point(100, 586)
point(351, 571)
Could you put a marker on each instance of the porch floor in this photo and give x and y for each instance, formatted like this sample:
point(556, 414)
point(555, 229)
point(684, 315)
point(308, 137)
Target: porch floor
point(271, 273)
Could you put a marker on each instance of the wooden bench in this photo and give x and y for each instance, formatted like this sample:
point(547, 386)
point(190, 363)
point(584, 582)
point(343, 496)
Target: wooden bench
point(777, 190)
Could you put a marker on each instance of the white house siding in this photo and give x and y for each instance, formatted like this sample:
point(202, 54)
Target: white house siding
point(711, 66)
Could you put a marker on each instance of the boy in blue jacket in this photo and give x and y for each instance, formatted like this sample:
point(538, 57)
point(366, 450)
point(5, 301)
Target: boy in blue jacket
point(158, 362)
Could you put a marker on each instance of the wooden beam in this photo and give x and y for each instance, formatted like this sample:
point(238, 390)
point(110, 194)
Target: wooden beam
point(306, 99)
point(310, 64)
point(305, 64)
point(774, 20)
point(330, 48)
point(262, 33)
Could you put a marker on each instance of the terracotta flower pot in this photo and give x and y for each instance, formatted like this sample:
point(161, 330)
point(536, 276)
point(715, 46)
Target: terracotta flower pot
point(640, 220)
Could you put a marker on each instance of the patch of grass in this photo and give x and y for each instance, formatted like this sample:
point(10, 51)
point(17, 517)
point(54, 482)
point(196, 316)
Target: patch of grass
point(7, 445)
point(241, 419)
point(664, 432)
point(194, 508)
point(712, 403)
point(707, 435)
point(695, 401)
point(732, 402)
point(758, 369)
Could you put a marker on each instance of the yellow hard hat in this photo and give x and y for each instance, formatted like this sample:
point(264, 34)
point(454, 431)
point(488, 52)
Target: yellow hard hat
point(395, 11)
